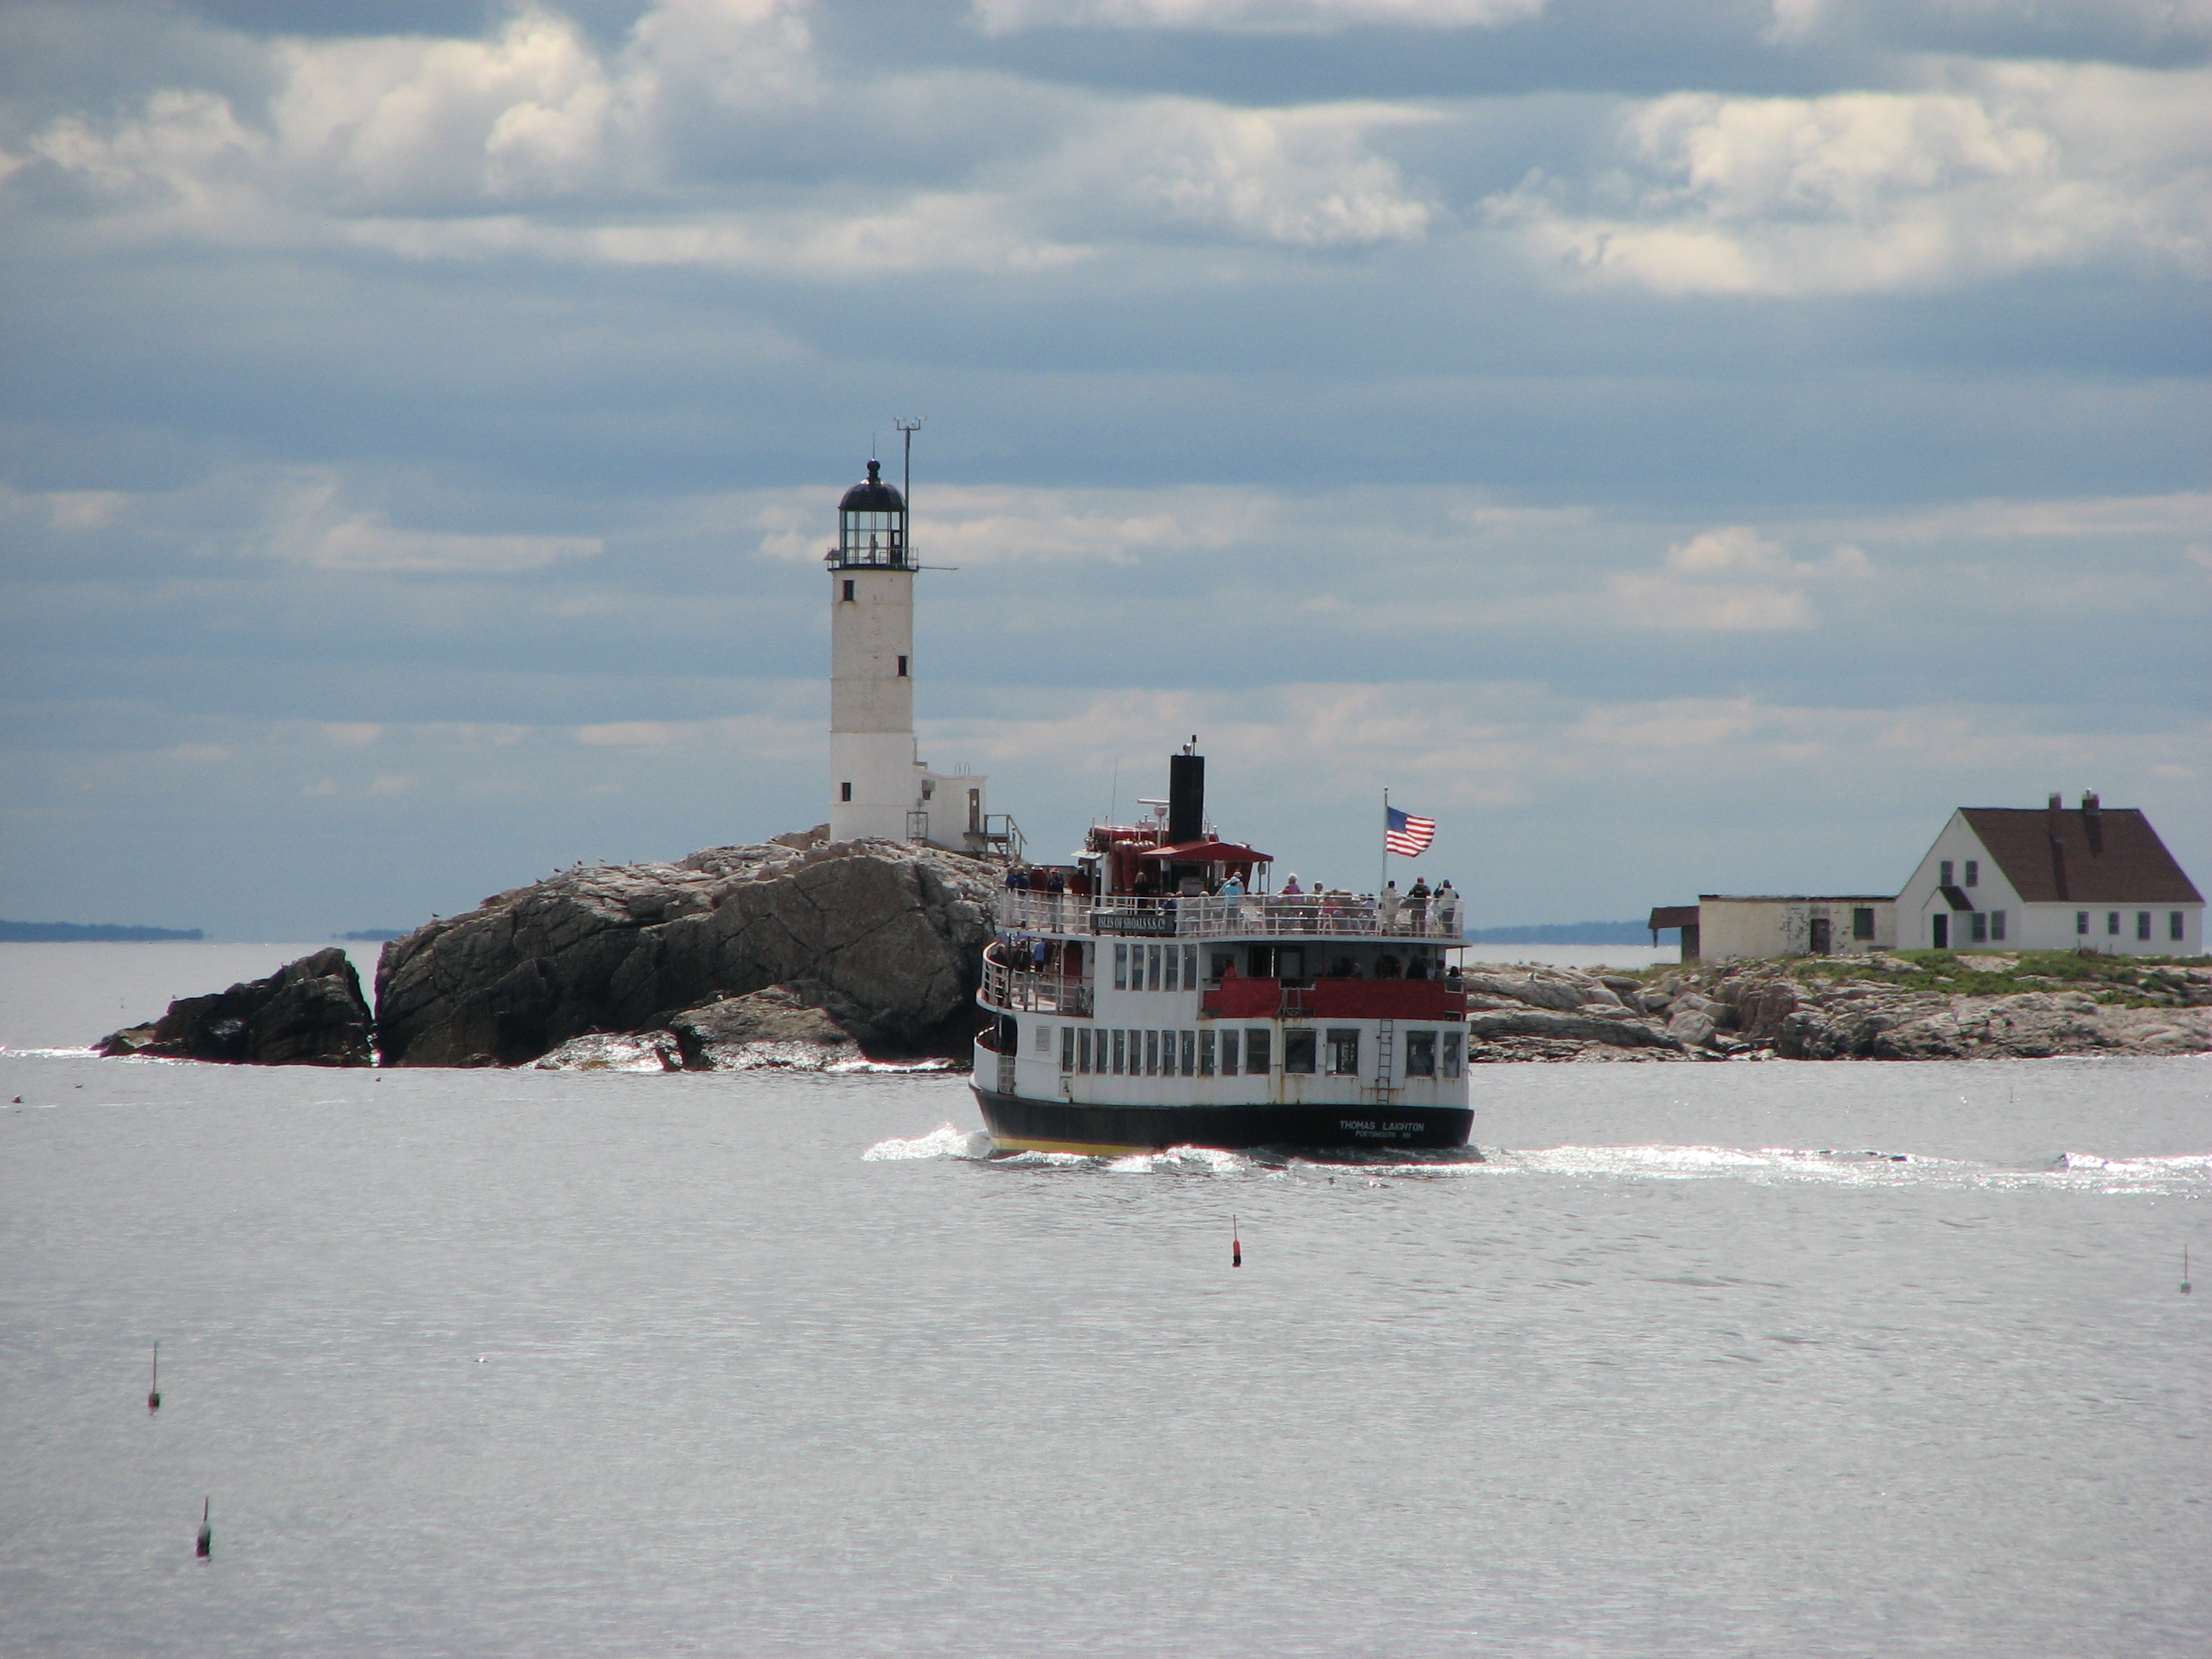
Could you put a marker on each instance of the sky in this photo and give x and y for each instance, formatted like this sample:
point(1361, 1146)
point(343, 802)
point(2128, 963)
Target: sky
point(1682, 446)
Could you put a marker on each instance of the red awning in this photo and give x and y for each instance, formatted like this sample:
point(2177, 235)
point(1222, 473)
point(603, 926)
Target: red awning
point(1209, 852)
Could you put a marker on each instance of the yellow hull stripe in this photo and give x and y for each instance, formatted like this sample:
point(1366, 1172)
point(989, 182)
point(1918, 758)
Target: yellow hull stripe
point(1081, 1148)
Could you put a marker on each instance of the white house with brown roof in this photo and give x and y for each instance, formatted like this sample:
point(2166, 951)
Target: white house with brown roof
point(2002, 878)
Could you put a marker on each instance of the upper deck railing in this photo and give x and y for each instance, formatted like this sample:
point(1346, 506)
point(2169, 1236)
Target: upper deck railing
point(1254, 915)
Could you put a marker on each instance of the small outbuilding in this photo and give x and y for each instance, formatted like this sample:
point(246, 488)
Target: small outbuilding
point(1728, 925)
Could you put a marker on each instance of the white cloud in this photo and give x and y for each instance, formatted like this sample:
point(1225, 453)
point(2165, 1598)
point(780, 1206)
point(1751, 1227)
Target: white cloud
point(2000, 169)
point(1731, 580)
point(1799, 21)
point(1006, 16)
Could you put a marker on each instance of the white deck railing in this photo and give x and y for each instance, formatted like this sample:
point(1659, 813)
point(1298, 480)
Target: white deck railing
point(1025, 989)
point(1256, 915)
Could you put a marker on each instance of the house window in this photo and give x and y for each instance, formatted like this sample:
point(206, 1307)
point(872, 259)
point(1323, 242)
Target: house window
point(1256, 1044)
point(2174, 930)
point(1973, 865)
point(1451, 1053)
point(2142, 924)
point(1344, 1053)
point(928, 788)
point(1205, 1054)
point(2080, 921)
point(1979, 924)
point(844, 792)
point(1996, 924)
point(1300, 1051)
point(901, 674)
point(1187, 1043)
point(1067, 1047)
point(1151, 1054)
point(2113, 923)
point(1121, 971)
point(1120, 1047)
point(1862, 923)
point(1944, 879)
point(849, 593)
point(1229, 1054)
point(1420, 1053)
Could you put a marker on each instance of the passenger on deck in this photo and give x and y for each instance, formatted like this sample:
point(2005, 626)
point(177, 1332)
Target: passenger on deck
point(1386, 909)
point(1447, 905)
point(1417, 902)
point(1387, 967)
point(1290, 888)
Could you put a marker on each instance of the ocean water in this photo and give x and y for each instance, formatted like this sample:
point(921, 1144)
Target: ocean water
point(1746, 1358)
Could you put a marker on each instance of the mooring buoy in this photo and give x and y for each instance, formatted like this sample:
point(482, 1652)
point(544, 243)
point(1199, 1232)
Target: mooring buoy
point(154, 1394)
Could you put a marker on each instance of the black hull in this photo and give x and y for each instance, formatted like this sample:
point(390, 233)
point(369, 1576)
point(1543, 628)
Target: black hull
point(1019, 1124)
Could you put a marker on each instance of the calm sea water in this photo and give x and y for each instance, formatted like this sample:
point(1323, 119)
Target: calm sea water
point(559, 1363)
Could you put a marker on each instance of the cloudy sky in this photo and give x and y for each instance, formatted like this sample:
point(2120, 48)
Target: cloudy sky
point(1682, 445)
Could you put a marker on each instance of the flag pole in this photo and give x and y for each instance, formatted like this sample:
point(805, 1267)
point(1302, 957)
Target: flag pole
point(1383, 879)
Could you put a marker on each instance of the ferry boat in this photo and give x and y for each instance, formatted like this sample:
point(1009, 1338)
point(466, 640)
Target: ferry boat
point(1152, 994)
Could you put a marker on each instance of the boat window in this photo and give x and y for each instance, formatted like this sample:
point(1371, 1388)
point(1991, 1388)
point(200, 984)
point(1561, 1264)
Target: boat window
point(1420, 1053)
point(1190, 967)
point(1188, 1045)
point(1205, 1054)
point(1291, 962)
point(1175, 969)
point(1152, 967)
point(1044, 1039)
point(1343, 1052)
point(1121, 967)
point(1152, 1044)
point(1451, 1053)
point(1256, 1057)
point(1229, 1054)
point(1219, 967)
point(1118, 1049)
point(1299, 1048)
point(1083, 1050)
point(1260, 961)
point(1067, 1047)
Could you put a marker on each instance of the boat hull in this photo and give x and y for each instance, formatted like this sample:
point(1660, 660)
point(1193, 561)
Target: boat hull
point(1017, 1123)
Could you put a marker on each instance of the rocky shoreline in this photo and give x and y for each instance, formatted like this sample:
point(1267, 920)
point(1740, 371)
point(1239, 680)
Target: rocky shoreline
point(809, 954)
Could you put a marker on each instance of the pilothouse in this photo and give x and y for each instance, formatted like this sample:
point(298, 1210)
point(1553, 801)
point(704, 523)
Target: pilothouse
point(1155, 993)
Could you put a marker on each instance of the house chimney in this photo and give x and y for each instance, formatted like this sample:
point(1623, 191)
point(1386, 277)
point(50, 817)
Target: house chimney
point(2092, 823)
point(2054, 825)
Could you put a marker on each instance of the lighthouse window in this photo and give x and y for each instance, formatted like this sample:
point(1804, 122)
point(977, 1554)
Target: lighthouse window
point(1229, 1054)
point(849, 593)
point(1300, 1049)
point(1205, 1054)
point(1121, 971)
point(1420, 1053)
point(901, 673)
point(1256, 1042)
point(1343, 1054)
point(1187, 1043)
point(844, 792)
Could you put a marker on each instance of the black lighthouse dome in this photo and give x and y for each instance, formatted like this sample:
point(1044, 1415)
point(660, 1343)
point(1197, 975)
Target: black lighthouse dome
point(871, 524)
point(873, 496)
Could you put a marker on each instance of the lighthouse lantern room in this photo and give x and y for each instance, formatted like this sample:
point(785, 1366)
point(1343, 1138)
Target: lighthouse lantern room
point(880, 789)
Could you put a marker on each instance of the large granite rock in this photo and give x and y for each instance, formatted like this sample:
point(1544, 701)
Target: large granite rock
point(309, 1012)
point(890, 938)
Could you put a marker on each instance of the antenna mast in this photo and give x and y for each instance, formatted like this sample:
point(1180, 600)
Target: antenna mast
point(907, 430)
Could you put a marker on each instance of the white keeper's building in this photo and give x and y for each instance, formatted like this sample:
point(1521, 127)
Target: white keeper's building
point(2001, 876)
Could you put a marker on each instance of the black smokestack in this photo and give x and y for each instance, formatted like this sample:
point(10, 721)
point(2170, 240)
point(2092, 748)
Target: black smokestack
point(1185, 799)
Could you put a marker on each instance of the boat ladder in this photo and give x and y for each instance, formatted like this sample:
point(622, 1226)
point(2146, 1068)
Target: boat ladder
point(1386, 1045)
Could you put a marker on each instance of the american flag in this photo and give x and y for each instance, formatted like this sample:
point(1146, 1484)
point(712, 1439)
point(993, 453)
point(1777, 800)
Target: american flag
point(1406, 835)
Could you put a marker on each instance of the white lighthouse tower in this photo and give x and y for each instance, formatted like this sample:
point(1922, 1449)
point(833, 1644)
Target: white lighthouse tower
point(878, 788)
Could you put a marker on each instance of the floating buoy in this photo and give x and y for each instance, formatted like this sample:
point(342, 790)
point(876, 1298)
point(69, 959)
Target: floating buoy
point(206, 1546)
point(154, 1394)
point(2184, 1270)
point(1236, 1245)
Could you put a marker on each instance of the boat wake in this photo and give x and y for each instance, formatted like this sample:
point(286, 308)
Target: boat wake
point(2184, 1175)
